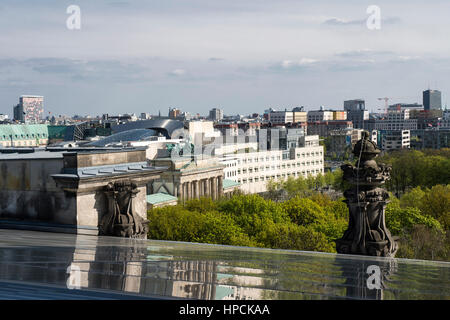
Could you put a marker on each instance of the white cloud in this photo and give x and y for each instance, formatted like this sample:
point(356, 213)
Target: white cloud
point(286, 64)
point(178, 72)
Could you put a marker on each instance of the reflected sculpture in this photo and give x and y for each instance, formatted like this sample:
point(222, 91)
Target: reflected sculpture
point(367, 233)
point(121, 220)
point(368, 279)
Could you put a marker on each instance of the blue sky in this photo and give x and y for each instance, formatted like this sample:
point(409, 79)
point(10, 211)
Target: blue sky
point(242, 56)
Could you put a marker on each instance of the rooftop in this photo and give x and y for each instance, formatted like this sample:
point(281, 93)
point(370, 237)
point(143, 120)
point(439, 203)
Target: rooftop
point(227, 183)
point(160, 197)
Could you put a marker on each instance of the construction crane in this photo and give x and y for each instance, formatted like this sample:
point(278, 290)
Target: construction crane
point(386, 102)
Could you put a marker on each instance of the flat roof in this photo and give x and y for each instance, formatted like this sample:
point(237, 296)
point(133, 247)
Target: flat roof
point(160, 197)
point(31, 155)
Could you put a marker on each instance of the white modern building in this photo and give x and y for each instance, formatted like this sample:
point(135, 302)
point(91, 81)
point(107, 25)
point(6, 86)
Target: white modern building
point(255, 169)
point(397, 119)
point(394, 140)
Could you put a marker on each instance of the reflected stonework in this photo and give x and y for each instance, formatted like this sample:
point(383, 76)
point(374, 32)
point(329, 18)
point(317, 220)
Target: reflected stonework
point(121, 220)
point(367, 233)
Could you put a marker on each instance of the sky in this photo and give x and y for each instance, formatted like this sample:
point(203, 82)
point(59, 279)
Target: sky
point(133, 56)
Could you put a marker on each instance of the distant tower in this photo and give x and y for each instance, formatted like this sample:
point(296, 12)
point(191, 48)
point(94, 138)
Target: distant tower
point(30, 109)
point(432, 100)
point(216, 114)
point(174, 113)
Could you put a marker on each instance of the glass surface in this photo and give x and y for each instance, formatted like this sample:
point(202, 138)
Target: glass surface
point(163, 269)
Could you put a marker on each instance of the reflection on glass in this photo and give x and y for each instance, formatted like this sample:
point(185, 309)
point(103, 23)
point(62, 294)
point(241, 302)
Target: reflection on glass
point(182, 270)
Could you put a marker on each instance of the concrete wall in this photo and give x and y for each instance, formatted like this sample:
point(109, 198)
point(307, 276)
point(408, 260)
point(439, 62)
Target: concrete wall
point(27, 192)
point(35, 189)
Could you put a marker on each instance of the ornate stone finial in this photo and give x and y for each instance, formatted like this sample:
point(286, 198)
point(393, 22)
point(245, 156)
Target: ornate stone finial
point(121, 220)
point(367, 233)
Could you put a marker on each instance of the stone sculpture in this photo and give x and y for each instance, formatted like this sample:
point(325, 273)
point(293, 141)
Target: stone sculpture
point(367, 233)
point(121, 220)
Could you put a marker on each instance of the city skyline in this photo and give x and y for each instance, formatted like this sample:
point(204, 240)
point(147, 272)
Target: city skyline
point(243, 58)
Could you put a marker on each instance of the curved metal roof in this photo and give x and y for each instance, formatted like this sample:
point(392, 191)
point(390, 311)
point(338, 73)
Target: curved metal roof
point(163, 126)
point(125, 136)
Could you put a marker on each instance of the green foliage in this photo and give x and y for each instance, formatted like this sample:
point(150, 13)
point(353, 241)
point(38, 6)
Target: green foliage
point(412, 199)
point(250, 220)
point(424, 243)
point(306, 187)
point(303, 211)
point(179, 224)
point(436, 203)
point(308, 220)
point(294, 237)
point(402, 220)
point(412, 168)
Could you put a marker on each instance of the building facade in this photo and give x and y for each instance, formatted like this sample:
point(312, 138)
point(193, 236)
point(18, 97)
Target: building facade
point(432, 100)
point(394, 139)
point(189, 178)
point(323, 128)
point(216, 114)
point(396, 119)
point(320, 115)
point(281, 117)
point(30, 109)
point(254, 170)
point(23, 135)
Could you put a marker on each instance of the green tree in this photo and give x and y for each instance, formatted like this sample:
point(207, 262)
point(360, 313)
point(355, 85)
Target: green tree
point(436, 203)
point(413, 198)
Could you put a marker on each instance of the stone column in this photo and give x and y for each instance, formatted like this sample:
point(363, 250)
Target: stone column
point(188, 190)
point(213, 188)
point(201, 188)
point(220, 186)
point(197, 189)
point(181, 191)
point(203, 184)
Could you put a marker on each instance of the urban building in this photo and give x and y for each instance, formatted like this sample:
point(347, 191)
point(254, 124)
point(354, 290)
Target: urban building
point(145, 116)
point(394, 139)
point(339, 115)
point(279, 138)
point(320, 115)
point(23, 135)
point(342, 141)
point(281, 117)
point(402, 106)
point(358, 118)
point(201, 132)
point(323, 128)
point(30, 109)
point(188, 178)
point(356, 112)
point(354, 105)
point(215, 114)
point(430, 138)
point(432, 100)
point(396, 119)
point(299, 115)
point(254, 170)
point(227, 128)
point(174, 113)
